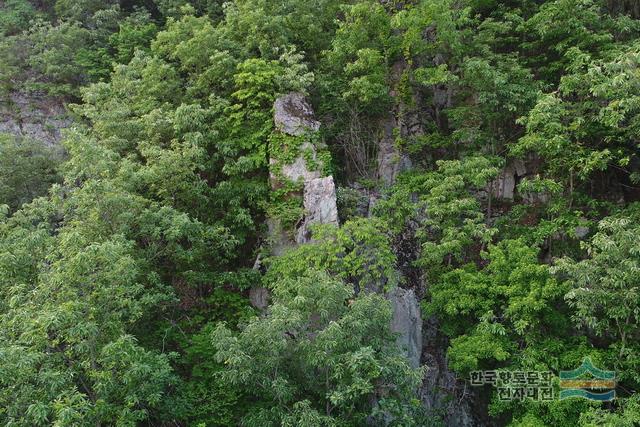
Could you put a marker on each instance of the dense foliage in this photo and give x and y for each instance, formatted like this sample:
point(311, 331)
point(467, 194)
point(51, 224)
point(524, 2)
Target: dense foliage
point(127, 254)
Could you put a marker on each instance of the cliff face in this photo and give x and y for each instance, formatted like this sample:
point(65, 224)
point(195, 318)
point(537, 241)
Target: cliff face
point(33, 116)
point(43, 119)
point(441, 393)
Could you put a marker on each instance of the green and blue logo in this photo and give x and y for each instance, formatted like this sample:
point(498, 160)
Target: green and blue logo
point(588, 382)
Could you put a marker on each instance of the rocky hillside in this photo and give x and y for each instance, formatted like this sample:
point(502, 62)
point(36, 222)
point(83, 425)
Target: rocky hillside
point(327, 213)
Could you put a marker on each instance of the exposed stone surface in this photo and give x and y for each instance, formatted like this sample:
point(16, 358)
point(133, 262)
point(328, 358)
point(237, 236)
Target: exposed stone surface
point(319, 205)
point(442, 392)
point(298, 170)
point(373, 199)
point(32, 116)
point(581, 231)
point(536, 198)
point(391, 159)
point(504, 186)
point(293, 115)
point(279, 239)
point(407, 322)
point(259, 298)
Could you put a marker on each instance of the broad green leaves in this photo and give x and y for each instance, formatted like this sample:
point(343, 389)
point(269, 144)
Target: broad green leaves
point(506, 303)
point(113, 281)
point(320, 354)
point(605, 290)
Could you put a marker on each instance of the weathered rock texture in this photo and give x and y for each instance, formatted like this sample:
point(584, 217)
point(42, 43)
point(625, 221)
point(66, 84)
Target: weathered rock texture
point(581, 232)
point(298, 170)
point(504, 186)
point(391, 160)
point(293, 116)
point(442, 393)
point(319, 205)
point(259, 297)
point(631, 7)
point(407, 323)
point(32, 116)
point(399, 121)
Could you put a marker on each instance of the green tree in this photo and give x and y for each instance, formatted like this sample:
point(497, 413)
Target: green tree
point(590, 123)
point(447, 217)
point(27, 169)
point(68, 356)
point(321, 355)
point(15, 16)
point(605, 290)
point(135, 33)
point(498, 308)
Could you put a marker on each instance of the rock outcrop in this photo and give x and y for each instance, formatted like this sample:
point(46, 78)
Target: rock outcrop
point(259, 298)
point(319, 206)
point(31, 116)
point(581, 232)
point(399, 121)
point(407, 323)
point(391, 160)
point(504, 186)
point(442, 392)
point(293, 117)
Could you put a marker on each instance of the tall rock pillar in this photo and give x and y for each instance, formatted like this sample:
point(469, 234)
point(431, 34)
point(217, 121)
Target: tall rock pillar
point(296, 172)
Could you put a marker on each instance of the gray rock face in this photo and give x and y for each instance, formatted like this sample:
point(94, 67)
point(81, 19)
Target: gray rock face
point(407, 322)
point(505, 185)
point(31, 116)
point(259, 298)
point(581, 232)
point(536, 198)
point(298, 170)
point(442, 392)
point(293, 115)
point(280, 240)
point(391, 159)
point(319, 205)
